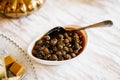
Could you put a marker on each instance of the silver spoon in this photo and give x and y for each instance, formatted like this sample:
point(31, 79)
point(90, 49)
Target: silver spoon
point(107, 23)
point(57, 30)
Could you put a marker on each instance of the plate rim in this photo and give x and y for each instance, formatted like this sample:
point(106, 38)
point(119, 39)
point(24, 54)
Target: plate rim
point(22, 52)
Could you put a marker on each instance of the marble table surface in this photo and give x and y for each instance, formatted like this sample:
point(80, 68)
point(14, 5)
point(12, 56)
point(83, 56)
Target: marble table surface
point(101, 58)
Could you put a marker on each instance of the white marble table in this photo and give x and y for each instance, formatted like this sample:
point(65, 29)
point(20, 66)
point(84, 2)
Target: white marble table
point(101, 58)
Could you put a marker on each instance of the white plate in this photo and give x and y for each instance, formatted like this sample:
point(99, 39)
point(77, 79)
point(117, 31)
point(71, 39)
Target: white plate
point(11, 48)
point(47, 62)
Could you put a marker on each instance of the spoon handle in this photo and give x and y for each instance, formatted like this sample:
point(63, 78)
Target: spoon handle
point(106, 23)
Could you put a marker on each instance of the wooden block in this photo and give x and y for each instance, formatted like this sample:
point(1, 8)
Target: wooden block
point(8, 61)
point(17, 69)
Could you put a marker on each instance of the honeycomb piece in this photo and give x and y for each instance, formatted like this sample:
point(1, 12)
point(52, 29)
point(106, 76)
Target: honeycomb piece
point(8, 61)
point(17, 69)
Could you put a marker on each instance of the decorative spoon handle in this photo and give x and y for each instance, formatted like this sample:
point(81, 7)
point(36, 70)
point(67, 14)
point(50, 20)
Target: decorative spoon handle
point(106, 23)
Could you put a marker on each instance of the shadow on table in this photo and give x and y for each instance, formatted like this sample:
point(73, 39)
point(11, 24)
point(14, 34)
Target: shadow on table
point(4, 19)
point(83, 1)
point(87, 2)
